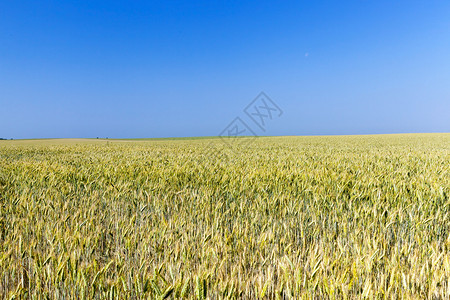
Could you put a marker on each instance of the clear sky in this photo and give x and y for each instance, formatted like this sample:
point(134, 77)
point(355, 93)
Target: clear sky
point(187, 68)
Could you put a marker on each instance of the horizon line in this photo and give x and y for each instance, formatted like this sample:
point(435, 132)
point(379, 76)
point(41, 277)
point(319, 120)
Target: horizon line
point(216, 136)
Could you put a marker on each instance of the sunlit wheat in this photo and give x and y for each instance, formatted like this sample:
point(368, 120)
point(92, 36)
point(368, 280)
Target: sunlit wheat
point(278, 218)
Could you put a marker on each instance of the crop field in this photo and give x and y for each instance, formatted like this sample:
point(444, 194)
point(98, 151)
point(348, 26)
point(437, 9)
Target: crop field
point(333, 217)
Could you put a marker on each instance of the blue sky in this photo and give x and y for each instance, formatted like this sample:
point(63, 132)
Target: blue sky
point(186, 68)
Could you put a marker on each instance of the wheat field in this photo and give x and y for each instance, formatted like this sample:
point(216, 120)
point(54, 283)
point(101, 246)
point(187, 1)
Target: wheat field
point(336, 217)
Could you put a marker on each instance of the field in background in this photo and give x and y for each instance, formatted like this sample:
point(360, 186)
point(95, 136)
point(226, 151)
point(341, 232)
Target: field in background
point(277, 217)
